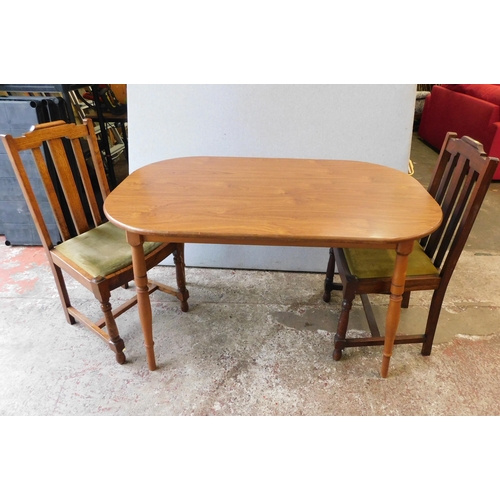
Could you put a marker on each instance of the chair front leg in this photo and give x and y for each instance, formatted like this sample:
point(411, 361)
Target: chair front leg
point(340, 342)
point(115, 342)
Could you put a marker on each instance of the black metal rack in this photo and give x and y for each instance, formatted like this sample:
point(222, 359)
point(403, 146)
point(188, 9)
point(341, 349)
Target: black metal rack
point(23, 106)
point(17, 115)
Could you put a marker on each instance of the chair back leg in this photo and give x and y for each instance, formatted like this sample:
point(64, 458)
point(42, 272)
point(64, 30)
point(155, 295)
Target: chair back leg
point(180, 274)
point(405, 303)
point(329, 277)
point(432, 319)
point(62, 290)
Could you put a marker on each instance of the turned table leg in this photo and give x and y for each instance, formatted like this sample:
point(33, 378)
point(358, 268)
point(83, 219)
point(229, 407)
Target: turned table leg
point(143, 301)
point(403, 251)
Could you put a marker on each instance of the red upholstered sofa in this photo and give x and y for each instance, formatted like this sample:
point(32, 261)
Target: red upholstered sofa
point(467, 109)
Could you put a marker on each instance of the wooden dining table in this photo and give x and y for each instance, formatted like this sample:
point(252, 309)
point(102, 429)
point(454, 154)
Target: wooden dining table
point(273, 202)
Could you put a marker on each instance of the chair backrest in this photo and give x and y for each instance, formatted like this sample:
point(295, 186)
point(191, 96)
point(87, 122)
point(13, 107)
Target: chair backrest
point(459, 184)
point(75, 181)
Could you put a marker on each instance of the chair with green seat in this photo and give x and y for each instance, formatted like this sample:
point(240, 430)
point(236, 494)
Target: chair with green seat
point(459, 184)
point(92, 251)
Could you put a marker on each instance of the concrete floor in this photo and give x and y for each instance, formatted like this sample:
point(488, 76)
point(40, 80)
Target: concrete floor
point(253, 343)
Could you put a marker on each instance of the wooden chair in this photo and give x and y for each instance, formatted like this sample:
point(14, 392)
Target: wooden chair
point(459, 184)
point(94, 252)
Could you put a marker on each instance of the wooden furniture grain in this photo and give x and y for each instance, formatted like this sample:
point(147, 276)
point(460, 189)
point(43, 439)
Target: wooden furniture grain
point(92, 251)
point(272, 201)
point(459, 184)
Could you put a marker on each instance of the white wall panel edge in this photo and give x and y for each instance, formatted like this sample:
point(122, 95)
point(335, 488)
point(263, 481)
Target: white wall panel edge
point(353, 122)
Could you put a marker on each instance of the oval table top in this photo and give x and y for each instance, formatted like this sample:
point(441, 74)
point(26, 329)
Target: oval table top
point(273, 201)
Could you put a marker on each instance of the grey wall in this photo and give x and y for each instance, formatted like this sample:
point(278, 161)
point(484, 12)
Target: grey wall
point(354, 122)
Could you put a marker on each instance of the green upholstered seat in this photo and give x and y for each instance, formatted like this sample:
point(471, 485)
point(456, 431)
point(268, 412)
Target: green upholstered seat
point(102, 250)
point(379, 263)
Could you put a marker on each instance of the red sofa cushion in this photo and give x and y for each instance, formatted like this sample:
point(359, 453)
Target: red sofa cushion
point(485, 92)
point(451, 111)
point(467, 109)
